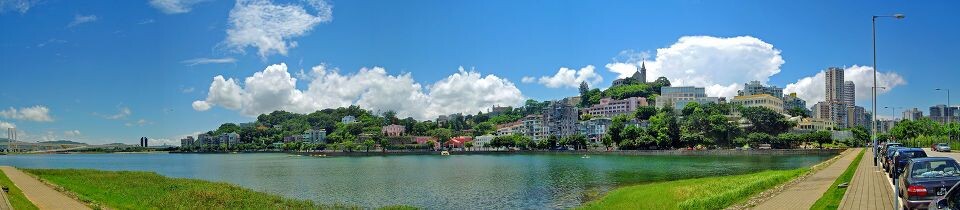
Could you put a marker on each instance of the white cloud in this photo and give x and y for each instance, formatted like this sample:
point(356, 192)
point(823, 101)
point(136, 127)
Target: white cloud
point(21, 6)
point(811, 89)
point(51, 41)
point(5, 125)
point(175, 6)
point(187, 90)
point(72, 133)
point(270, 27)
point(35, 113)
point(198, 61)
point(720, 64)
point(528, 79)
point(140, 122)
point(372, 88)
point(470, 92)
point(122, 112)
point(570, 78)
point(81, 19)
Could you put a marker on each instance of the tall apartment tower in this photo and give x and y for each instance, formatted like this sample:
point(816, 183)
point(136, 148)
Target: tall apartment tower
point(834, 84)
point(849, 94)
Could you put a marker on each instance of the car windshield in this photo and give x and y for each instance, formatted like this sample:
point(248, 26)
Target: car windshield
point(942, 144)
point(935, 168)
point(913, 154)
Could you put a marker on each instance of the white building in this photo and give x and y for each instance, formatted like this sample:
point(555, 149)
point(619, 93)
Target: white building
point(609, 107)
point(678, 97)
point(315, 136)
point(348, 119)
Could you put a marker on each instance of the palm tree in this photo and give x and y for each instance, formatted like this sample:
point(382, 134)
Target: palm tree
point(468, 145)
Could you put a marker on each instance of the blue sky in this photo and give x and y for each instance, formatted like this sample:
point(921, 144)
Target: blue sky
point(86, 62)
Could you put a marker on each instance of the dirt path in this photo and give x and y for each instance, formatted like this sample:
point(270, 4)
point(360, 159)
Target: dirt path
point(803, 194)
point(43, 196)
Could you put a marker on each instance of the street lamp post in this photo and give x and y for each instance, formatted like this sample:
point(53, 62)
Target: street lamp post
point(948, 106)
point(873, 130)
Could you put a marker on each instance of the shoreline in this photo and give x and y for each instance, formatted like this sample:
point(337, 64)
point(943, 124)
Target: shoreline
point(566, 152)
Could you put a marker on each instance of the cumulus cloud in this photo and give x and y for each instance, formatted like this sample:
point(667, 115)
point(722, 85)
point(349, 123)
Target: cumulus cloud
point(275, 88)
point(569, 78)
point(270, 27)
point(5, 125)
point(35, 113)
point(720, 64)
point(81, 19)
point(812, 89)
point(21, 6)
point(199, 61)
point(175, 6)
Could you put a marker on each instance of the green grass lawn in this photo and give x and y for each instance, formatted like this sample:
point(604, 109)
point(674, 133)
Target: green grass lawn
point(700, 193)
point(831, 198)
point(148, 190)
point(15, 195)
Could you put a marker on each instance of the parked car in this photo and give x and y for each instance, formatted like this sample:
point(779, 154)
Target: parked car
point(941, 147)
point(925, 179)
point(885, 146)
point(887, 155)
point(950, 201)
point(900, 158)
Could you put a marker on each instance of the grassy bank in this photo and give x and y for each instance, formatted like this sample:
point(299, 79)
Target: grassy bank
point(831, 198)
point(17, 199)
point(701, 193)
point(148, 190)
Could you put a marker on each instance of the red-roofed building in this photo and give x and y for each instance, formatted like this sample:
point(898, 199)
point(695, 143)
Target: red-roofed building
point(457, 142)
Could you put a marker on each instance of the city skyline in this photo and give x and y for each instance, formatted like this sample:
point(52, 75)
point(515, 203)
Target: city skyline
point(167, 69)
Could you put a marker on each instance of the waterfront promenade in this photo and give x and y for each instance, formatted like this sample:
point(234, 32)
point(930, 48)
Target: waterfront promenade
point(869, 189)
point(803, 194)
point(42, 195)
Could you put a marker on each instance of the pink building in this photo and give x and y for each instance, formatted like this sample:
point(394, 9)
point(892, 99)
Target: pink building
point(423, 139)
point(393, 130)
point(609, 107)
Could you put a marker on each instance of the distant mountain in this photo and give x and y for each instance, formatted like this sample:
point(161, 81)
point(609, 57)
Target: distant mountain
point(62, 142)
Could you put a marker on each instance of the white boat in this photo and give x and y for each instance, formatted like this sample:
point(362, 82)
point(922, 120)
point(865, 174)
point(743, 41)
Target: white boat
point(445, 153)
point(585, 156)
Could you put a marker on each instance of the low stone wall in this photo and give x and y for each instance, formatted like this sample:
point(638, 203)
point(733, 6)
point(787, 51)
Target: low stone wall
point(567, 152)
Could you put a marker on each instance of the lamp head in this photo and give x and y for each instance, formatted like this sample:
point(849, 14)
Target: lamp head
point(899, 16)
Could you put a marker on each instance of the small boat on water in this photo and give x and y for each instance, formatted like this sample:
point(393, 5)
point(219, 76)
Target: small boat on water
point(445, 153)
point(585, 156)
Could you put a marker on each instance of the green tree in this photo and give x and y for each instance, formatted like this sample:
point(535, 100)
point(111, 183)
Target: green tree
point(764, 120)
point(798, 112)
point(606, 141)
point(368, 144)
point(666, 128)
point(468, 145)
point(617, 124)
point(442, 134)
point(645, 112)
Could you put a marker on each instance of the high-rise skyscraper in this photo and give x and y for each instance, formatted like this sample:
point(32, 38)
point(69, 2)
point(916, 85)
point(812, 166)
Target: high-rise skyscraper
point(912, 114)
point(834, 84)
point(849, 94)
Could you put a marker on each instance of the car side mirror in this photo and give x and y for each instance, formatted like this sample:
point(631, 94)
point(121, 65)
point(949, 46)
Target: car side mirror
point(942, 203)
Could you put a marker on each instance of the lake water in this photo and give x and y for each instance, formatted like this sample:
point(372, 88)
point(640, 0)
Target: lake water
point(431, 182)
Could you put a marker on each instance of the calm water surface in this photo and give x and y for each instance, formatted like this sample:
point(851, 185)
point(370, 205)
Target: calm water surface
point(431, 182)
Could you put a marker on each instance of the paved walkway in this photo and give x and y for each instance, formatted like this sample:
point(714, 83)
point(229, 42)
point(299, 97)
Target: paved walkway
point(802, 195)
point(869, 189)
point(43, 196)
